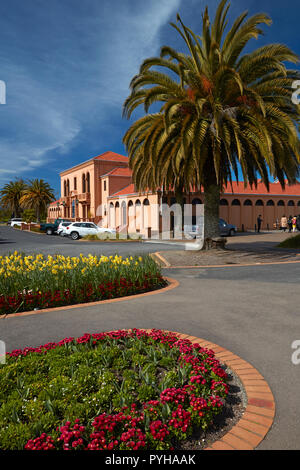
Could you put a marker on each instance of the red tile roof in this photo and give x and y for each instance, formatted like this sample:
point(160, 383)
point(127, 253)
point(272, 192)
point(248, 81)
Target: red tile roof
point(130, 189)
point(119, 172)
point(111, 157)
point(275, 189)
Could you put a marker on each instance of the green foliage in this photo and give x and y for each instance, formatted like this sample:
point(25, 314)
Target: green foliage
point(221, 109)
point(291, 242)
point(29, 216)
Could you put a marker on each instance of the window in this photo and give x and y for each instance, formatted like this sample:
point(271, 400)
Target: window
point(75, 183)
point(280, 203)
point(104, 185)
point(270, 203)
point(291, 203)
point(236, 202)
point(259, 203)
point(223, 202)
point(248, 202)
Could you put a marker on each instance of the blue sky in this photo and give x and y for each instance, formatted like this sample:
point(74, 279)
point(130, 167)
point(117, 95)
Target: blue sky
point(67, 65)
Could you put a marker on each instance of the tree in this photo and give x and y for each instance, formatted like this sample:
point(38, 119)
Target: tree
point(220, 110)
point(10, 196)
point(37, 195)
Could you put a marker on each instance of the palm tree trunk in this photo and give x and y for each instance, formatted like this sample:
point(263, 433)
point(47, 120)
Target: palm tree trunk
point(211, 206)
point(211, 211)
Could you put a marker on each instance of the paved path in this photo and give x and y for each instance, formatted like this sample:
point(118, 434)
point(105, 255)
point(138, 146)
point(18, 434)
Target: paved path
point(252, 311)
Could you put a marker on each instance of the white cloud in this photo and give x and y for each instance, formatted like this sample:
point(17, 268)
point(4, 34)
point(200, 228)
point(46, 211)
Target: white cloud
point(56, 94)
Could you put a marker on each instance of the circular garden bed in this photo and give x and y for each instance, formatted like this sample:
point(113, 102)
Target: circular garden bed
point(122, 390)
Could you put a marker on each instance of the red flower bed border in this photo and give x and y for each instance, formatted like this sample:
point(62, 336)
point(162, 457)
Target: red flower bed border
point(104, 291)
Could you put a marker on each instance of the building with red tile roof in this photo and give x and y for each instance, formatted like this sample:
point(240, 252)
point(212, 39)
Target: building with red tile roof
point(101, 189)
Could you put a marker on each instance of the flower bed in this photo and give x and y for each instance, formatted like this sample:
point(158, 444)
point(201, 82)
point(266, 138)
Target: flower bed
point(29, 282)
point(127, 390)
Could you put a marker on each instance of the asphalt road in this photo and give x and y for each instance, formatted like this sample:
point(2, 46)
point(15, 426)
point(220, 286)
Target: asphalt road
point(252, 311)
point(13, 239)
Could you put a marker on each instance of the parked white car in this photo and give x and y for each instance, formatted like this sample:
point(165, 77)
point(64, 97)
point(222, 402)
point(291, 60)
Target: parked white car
point(62, 229)
point(15, 221)
point(81, 229)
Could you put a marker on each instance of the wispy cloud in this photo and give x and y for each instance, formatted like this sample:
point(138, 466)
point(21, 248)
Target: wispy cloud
point(68, 71)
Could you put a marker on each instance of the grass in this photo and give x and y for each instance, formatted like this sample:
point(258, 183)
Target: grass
point(292, 242)
point(109, 237)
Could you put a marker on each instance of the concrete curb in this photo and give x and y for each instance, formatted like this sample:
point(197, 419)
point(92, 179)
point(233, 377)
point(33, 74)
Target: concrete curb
point(237, 265)
point(172, 283)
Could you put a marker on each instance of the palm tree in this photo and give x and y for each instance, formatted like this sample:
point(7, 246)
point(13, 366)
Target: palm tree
point(37, 196)
point(10, 196)
point(220, 110)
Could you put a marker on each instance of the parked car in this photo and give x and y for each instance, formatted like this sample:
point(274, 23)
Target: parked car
point(226, 230)
point(61, 230)
point(15, 221)
point(51, 228)
point(78, 230)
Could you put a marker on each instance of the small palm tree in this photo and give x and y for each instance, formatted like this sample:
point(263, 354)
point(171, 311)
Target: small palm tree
point(221, 110)
point(37, 195)
point(10, 196)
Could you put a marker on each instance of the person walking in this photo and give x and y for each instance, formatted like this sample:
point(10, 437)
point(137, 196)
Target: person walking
point(298, 223)
point(284, 223)
point(259, 222)
point(290, 223)
point(294, 223)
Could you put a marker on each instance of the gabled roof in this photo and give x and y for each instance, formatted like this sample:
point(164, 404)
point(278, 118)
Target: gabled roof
point(119, 171)
point(130, 189)
point(111, 157)
point(105, 157)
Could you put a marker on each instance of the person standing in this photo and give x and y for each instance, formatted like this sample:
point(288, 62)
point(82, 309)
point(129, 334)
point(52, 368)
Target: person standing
point(298, 223)
point(294, 223)
point(284, 223)
point(259, 222)
point(290, 223)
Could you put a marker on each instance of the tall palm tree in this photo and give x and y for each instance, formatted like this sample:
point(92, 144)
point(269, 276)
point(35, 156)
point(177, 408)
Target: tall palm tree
point(11, 194)
point(37, 196)
point(221, 110)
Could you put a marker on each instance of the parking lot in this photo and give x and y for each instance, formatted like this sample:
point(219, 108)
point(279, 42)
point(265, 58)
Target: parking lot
point(14, 239)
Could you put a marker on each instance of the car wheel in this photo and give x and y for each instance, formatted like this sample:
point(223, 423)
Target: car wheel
point(232, 233)
point(74, 235)
point(49, 231)
point(61, 234)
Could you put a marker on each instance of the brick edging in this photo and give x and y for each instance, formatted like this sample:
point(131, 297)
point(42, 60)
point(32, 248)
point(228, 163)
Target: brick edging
point(172, 283)
point(259, 415)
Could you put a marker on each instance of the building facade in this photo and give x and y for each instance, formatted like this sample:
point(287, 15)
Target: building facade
point(101, 190)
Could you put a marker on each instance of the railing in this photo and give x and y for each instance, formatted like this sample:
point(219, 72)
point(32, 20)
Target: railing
point(84, 197)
